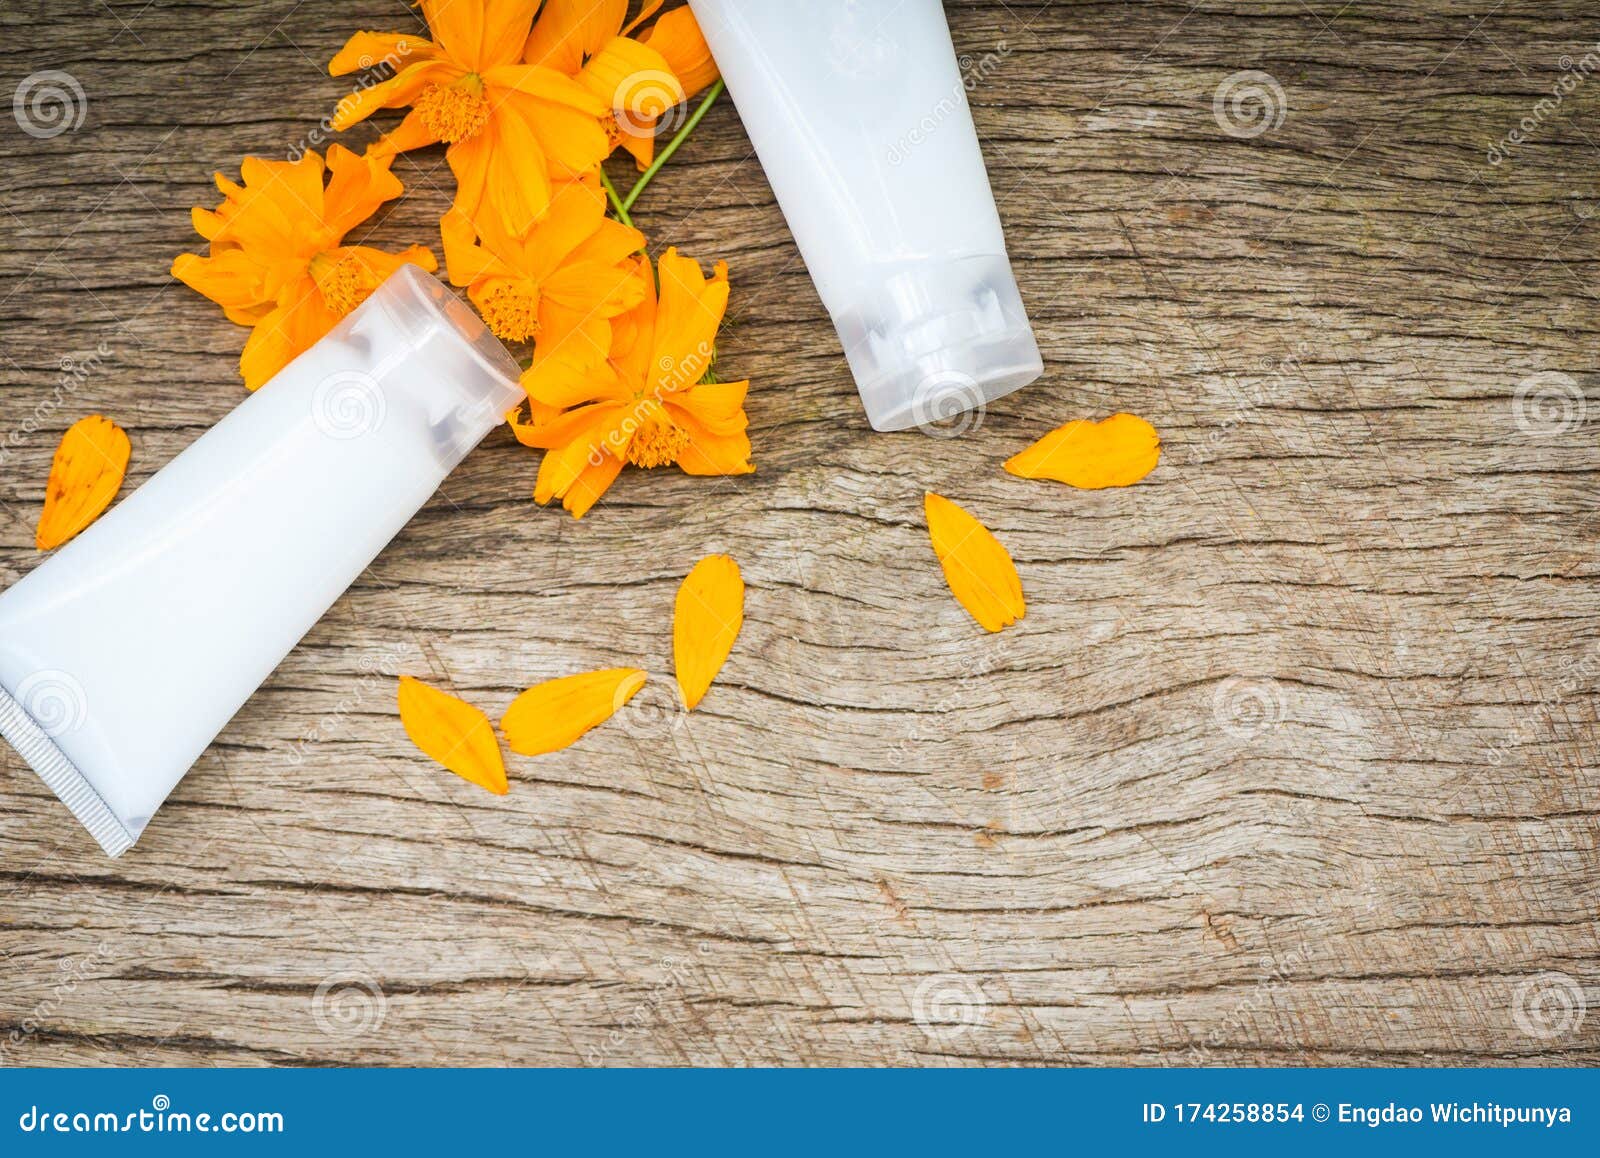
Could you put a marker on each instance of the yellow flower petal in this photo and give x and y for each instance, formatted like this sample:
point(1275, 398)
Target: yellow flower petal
point(551, 715)
point(633, 78)
point(1114, 452)
point(705, 622)
point(454, 733)
point(84, 478)
point(678, 38)
point(977, 568)
point(569, 30)
point(370, 49)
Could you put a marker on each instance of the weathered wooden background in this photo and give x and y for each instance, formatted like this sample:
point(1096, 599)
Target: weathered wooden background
point(1292, 760)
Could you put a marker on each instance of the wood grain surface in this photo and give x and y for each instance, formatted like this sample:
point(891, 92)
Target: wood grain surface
point(1293, 759)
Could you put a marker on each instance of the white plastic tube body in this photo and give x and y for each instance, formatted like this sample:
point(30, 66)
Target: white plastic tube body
point(858, 111)
point(124, 654)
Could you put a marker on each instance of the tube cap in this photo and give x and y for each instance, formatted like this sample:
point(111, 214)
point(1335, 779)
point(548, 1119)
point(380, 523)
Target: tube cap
point(422, 342)
point(937, 340)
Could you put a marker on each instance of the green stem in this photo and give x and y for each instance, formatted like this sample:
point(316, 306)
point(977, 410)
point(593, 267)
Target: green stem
point(665, 154)
point(616, 202)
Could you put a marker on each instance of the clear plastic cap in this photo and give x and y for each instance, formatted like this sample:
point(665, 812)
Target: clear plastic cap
point(937, 340)
point(419, 341)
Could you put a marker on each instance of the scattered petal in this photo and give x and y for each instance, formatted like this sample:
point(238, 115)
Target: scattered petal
point(551, 715)
point(454, 733)
point(977, 568)
point(1114, 452)
point(84, 478)
point(705, 622)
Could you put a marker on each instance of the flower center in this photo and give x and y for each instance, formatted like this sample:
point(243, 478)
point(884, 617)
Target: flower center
point(657, 443)
point(512, 312)
point(343, 281)
point(454, 112)
point(613, 130)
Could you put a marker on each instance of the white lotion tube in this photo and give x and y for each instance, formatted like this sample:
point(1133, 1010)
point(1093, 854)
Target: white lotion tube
point(124, 654)
point(859, 113)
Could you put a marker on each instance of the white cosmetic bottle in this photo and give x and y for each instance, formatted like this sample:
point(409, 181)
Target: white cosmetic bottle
point(125, 653)
point(858, 111)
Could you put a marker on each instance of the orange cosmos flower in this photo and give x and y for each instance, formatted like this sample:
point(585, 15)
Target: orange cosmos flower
point(637, 77)
point(648, 402)
point(514, 130)
point(559, 285)
point(277, 260)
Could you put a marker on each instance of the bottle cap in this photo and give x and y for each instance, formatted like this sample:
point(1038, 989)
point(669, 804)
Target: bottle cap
point(937, 340)
point(422, 341)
